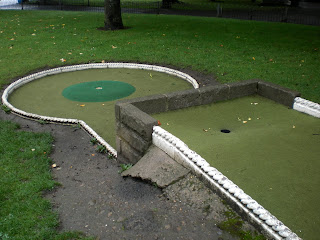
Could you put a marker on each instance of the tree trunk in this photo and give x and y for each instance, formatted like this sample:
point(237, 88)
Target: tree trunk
point(112, 15)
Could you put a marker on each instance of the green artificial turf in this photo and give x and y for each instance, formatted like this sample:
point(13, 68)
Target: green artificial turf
point(271, 152)
point(98, 91)
point(48, 100)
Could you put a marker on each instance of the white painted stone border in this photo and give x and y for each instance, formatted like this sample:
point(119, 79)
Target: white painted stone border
point(180, 152)
point(58, 70)
point(306, 106)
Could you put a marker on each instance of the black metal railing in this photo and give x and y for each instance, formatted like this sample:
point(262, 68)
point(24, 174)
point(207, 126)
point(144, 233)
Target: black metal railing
point(211, 9)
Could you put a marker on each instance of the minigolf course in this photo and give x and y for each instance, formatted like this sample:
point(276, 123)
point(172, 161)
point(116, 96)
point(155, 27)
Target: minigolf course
point(248, 131)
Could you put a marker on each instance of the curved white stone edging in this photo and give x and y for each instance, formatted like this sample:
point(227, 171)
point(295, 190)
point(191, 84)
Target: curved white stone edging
point(180, 152)
point(306, 106)
point(58, 70)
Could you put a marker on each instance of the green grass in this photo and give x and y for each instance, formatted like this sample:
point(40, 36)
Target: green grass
point(232, 50)
point(24, 175)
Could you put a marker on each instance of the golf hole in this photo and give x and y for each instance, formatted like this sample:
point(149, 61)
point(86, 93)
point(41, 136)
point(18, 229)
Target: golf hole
point(225, 131)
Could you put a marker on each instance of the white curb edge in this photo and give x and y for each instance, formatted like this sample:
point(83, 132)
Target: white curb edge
point(306, 106)
point(58, 70)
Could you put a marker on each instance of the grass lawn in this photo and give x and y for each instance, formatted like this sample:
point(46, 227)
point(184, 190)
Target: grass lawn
point(232, 50)
point(24, 175)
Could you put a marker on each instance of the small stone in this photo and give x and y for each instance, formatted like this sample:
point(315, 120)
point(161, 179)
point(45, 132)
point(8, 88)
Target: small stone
point(120, 219)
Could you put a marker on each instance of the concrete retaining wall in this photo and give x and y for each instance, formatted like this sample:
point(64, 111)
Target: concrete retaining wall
point(134, 124)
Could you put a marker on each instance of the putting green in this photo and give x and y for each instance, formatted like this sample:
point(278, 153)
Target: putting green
point(98, 91)
point(44, 96)
point(271, 152)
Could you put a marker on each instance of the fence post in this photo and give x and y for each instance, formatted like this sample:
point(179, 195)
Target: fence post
point(285, 17)
point(219, 10)
point(158, 7)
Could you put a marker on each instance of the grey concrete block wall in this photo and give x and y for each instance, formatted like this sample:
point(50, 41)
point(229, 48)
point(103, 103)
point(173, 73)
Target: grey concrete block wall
point(277, 93)
point(134, 125)
point(213, 94)
point(242, 89)
point(183, 99)
point(133, 132)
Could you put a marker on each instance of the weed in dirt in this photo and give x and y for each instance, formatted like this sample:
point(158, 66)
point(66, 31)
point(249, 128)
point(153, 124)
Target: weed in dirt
point(111, 157)
point(101, 149)
point(43, 122)
point(234, 225)
point(124, 167)
point(6, 109)
point(93, 141)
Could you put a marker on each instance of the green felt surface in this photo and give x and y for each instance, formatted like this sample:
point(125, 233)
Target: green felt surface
point(44, 96)
point(273, 156)
point(98, 91)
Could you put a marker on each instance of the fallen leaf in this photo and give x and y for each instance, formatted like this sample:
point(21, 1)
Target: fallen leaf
point(92, 154)
point(54, 165)
point(82, 105)
point(32, 149)
point(293, 126)
point(244, 121)
point(205, 130)
point(159, 123)
point(114, 47)
point(249, 119)
point(62, 60)
point(253, 58)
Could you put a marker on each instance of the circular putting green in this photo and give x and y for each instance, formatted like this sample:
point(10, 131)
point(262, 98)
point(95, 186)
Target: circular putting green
point(59, 95)
point(98, 91)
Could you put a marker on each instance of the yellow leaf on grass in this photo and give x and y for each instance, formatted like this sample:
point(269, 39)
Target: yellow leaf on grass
point(82, 105)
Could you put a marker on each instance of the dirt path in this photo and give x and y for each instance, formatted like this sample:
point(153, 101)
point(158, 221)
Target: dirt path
point(96, 200)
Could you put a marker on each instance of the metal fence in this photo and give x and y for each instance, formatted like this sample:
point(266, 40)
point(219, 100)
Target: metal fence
point(212, 9)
